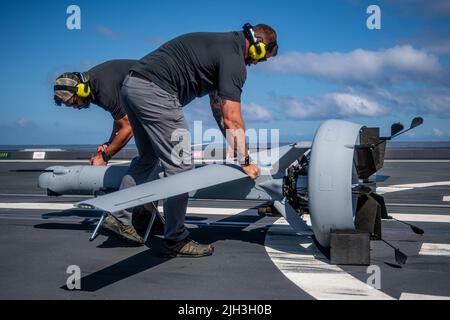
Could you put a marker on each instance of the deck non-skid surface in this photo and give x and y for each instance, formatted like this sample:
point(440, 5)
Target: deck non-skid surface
point(255, 258)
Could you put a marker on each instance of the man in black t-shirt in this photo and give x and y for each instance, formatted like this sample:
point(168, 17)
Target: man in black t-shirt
point(101, 86)
point(161, 83)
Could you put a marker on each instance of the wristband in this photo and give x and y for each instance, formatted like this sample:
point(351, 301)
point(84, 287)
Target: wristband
point(106, 157)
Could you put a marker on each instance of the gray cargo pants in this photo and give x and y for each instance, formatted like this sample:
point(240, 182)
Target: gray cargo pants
point(155, 115)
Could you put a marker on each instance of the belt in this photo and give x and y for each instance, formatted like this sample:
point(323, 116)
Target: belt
point(135, 74)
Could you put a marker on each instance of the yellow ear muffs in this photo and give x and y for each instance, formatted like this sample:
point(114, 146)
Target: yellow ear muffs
point(83, 90)
point(253, 51)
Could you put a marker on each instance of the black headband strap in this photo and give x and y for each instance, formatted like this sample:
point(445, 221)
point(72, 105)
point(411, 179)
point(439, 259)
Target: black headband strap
point(66, 88)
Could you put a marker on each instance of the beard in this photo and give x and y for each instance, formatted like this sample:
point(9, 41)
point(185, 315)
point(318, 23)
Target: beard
point(84, 103)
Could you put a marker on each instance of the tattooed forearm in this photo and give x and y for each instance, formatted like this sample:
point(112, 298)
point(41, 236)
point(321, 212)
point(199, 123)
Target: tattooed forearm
point(217, 103)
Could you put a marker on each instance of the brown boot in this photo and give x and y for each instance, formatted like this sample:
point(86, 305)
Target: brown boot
point(186, 248)
point(127, 233)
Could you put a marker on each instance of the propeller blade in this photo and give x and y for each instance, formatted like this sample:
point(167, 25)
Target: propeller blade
point(396, 128)
point(416, 122)
point(400, 257)
point(417, 230)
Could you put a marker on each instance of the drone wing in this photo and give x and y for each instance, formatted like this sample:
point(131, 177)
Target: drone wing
point(164, 188)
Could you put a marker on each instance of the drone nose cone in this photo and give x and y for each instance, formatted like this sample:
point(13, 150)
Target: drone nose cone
point(49, 179)
point(44, 180)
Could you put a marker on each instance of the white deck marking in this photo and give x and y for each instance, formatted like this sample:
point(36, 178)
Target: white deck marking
point(416, 296)
point(423, 185)
point(42, 195)
point(219, 211)
point(435, 249)
point(303, 264)
point(43, 150)
point(23, 195)
point(383, 190)
point(410, 186)
point(39, 155)
point(31, 205)
point(441, 218)
point(408, 217)
point(67, 206)
point(420, 205)
point(216, 211)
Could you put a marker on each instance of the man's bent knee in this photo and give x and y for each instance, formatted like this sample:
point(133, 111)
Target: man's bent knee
point(127, 182)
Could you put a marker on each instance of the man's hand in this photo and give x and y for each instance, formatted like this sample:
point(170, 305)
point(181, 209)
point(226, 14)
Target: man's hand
point(102, 147)
point(97, 160)
point(251, 170)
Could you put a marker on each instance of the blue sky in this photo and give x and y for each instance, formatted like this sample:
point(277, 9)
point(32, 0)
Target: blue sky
point(330, 65)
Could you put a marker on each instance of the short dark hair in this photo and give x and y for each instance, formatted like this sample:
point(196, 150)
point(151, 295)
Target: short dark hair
point(269, 37)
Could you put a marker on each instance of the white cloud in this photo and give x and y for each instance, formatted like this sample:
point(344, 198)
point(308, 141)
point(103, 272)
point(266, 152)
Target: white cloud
point(24, 123)
point(419, 101)
point(350, 105)
point(200, 110)
point(388, 96)
point(331, 105)
point(438, 132)
point(435, 102)
point(255, 112)
point(400, 63)
point(107, 32)
point(299, 110)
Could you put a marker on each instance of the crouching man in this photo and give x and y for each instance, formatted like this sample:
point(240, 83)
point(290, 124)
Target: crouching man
point(101, 86)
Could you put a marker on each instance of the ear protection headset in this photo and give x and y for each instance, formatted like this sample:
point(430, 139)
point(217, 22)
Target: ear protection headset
point(82, 89)
point(258, 49)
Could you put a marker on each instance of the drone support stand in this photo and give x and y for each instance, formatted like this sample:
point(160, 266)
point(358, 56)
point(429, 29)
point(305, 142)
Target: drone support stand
point(155, 212)
point(99, 224)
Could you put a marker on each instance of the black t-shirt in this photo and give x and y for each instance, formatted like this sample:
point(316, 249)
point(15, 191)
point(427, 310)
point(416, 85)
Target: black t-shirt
point(195, 64)
point(106, 81)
